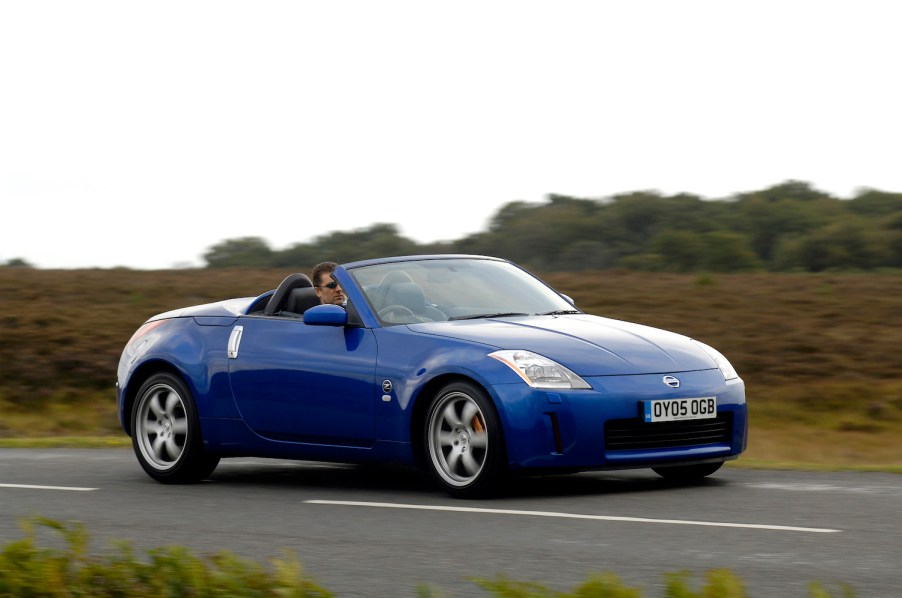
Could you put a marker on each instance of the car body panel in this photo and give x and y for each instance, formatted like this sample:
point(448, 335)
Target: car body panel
point(588, 345)
point(305, 383)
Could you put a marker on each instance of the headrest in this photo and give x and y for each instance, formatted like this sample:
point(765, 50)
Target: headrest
point(279, 298)
point(300, 300)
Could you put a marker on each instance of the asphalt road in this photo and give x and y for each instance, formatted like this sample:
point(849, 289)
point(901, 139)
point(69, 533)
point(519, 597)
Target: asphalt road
point(381, 532)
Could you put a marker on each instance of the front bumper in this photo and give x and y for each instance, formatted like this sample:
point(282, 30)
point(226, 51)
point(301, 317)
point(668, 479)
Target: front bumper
point(602, 428)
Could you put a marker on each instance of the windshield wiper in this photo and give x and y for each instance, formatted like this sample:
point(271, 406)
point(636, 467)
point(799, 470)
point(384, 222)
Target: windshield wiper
point(560, 312)
point(502, 314)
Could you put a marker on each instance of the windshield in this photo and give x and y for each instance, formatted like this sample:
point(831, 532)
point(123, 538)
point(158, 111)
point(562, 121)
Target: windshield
point(454, 289)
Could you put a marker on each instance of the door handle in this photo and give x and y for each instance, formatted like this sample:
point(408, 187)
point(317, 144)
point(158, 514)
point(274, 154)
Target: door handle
point(235, 341)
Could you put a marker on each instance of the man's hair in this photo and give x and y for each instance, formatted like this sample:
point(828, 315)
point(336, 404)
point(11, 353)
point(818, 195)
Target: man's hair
point(320, 269)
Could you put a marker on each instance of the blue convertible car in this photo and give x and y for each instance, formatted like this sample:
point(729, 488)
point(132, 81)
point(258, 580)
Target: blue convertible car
point(467, 366)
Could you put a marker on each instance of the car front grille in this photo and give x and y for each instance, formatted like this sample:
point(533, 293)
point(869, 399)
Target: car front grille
point(635, 434)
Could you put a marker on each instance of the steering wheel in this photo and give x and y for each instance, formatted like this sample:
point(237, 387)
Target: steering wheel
point(393, 312)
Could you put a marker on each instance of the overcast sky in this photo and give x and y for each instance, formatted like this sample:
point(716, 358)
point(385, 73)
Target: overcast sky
point(142, 133)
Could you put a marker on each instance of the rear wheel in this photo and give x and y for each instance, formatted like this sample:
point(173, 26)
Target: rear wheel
point(687, 473)
point(464, 444)
point(166, 434)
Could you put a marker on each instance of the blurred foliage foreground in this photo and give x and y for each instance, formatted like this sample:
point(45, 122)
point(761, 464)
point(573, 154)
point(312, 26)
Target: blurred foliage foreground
point(819, 353)
point(27, 569)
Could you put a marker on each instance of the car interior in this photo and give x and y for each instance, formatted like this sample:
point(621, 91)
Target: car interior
point(293, 297)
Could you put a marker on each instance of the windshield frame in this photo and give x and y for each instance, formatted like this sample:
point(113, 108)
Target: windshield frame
point(453, 287)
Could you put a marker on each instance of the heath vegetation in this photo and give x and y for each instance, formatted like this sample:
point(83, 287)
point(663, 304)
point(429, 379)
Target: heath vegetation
point(819, 353)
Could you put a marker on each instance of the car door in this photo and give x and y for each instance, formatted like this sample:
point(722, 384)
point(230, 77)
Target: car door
point(301, 383)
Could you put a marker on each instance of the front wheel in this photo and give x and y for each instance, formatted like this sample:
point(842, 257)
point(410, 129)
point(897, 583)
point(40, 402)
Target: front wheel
point(166, 434)
point(464, 443)
point(687, 473)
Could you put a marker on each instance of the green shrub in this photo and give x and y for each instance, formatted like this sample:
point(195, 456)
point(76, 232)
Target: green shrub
point(606, 585)
point(28, 571)
point(720, 583)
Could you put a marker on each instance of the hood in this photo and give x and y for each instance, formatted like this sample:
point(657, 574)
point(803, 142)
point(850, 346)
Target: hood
point(588, 345)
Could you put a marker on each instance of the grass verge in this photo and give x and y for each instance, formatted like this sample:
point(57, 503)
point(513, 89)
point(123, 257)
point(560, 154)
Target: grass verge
point(67, 442)
point(741, 463)
point(827, 426)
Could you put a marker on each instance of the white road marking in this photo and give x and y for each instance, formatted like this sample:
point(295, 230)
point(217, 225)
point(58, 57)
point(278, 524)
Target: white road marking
point(798, 487)
point(30, 487)
point(386, 505)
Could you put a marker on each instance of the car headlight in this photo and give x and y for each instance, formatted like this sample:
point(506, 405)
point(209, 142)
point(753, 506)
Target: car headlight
point(538, 371)
point(726, 368)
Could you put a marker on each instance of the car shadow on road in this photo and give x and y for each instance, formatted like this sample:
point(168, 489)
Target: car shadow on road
point(325, 476)
point(405, 480)
point(597, 483)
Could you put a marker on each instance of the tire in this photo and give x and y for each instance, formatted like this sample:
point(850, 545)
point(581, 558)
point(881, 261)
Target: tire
point(464, 445)
point(687, 473)
point(166, 434)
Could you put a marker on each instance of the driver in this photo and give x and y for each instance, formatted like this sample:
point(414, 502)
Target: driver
point(327, 289)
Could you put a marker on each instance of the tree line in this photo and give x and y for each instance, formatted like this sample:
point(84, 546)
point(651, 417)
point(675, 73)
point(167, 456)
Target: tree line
point(786, 227)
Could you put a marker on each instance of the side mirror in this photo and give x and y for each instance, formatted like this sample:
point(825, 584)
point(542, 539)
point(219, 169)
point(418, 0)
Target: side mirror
point(569, 299)
point(326, 315)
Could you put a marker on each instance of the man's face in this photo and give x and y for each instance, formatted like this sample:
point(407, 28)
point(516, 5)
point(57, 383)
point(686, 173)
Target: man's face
point(329, 291)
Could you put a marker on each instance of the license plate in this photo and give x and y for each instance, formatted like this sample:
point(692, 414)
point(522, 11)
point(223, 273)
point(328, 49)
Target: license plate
point(668, 410)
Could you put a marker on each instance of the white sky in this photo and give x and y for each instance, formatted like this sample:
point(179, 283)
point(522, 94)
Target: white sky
point(142, 133)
